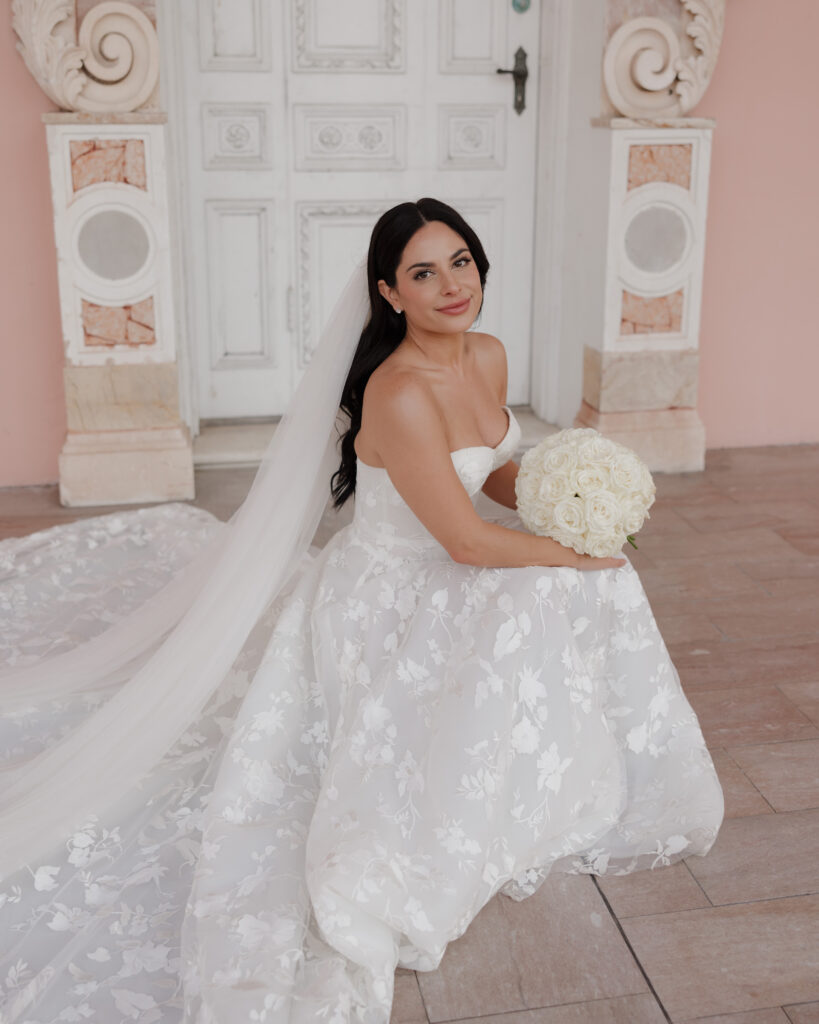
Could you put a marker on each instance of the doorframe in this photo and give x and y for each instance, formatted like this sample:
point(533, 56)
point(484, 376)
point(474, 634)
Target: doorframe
point(553, 83)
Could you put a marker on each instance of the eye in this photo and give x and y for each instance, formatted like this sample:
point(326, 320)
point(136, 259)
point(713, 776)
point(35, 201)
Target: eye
point(462, 261)
point(420, 275)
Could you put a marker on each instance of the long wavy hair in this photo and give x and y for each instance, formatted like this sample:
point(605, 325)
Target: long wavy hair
point(386, 329)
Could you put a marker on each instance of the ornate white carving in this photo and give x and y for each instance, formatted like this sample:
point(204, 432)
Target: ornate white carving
point(235, 135)
point(351, 222)
point(235, 36)
point(113, 65)
point(349, 137)
point(310, 53)
point(646, 72)
point(471, 137)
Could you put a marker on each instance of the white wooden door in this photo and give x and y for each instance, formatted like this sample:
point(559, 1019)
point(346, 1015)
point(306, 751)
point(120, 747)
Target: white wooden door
point(305, 120)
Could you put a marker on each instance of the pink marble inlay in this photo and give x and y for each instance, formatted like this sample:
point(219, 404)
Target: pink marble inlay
point(119, 325)
point(668, 162)
point(96, 160)
point(659, 314)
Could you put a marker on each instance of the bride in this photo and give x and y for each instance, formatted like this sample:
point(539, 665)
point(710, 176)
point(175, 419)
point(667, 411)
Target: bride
point(246, 777)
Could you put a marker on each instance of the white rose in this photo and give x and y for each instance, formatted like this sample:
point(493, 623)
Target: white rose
point(569, 516)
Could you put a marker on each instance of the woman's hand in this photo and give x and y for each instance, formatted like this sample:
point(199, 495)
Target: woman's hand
point(588, 562)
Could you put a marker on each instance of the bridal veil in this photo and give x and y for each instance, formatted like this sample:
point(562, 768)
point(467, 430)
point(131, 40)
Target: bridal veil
point(163, 661)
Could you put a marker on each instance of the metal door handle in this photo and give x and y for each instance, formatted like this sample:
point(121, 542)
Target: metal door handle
point(519, 75)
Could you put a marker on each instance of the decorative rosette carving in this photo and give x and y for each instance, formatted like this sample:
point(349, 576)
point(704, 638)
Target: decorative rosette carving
point(646, 69)
point(113, 65)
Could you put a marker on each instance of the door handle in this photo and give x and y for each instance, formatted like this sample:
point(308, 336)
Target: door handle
point(519, 75)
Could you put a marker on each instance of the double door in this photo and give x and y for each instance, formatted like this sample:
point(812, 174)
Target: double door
point(303, 121)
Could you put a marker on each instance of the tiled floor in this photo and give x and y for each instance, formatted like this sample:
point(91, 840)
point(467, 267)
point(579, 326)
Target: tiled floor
point(730, 562)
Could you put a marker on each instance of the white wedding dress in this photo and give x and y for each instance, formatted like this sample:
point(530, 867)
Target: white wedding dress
point(401, 737)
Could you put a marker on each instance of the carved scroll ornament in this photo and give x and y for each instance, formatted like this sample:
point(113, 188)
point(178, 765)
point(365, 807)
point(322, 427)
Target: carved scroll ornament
point(111, 65)
point(645, 70)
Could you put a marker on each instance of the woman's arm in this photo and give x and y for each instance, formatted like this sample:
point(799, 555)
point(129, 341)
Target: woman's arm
point(413, 447)
point(500, 485)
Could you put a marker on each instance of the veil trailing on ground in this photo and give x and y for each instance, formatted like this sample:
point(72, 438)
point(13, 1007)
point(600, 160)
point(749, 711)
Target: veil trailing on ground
point(169, 656)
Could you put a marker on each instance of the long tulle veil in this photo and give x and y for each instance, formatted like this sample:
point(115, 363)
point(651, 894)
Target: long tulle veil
point(171, 654)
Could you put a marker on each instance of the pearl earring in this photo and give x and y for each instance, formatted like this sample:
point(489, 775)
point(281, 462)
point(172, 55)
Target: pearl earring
point(398, 309)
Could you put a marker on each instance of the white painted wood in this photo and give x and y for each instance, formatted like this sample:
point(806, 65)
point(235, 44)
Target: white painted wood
point(297, 141)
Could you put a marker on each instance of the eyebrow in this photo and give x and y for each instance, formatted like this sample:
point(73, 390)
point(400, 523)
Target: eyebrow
point(452, 257)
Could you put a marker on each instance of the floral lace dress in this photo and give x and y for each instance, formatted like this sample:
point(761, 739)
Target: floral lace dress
point(401, 738)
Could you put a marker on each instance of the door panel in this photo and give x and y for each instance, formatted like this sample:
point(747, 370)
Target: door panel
point(306, 120)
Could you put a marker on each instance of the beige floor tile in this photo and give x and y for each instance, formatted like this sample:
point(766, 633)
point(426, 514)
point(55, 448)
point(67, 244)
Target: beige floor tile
point(806, 541)
point(750, 662)
point(755, 714)
point(766, 856)
point(653, 892)
point(407, 1005)
point(739, 618)
point(741, 795)
point(805, 695)
point(478, 974)
point(560, 945)
point(727, 546)
point(787, 774)
point(639, 1009)
point(803, 1013)
point(699, 581)
point(691, 627)
point(731, 515)
point(568, 914)
point(773, 1015)
point(663, 521)
point(794, 567)
point(731, 959)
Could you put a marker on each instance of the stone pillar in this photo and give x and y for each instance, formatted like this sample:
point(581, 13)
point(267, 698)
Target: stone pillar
point(640, 375)
point(126, 442)
point(640, 365)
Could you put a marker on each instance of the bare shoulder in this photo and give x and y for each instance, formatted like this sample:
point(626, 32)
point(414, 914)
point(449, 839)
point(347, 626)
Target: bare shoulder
point(397, 398)
point(490, 354)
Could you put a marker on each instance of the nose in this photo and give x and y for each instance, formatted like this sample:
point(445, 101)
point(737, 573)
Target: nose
point(448, 282)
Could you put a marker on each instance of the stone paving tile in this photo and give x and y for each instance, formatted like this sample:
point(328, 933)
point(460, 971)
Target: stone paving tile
point(407, 1004)
point(787, 774)
point(730, 959)
point(759, 857)
point(748, 662)
point(757, 714)
point(803, 1013)
point(692, 627)
point(639, 1009)
point(773, 1015)
point(729, 546)
point(653, 892)
point(805, 696)
point(741, 795)
point(739, 618)
point(560, 945)
point(730, 514)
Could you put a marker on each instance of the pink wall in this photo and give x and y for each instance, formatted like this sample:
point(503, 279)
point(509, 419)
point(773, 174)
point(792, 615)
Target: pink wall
point(32, 409)
point(759, 347)
point(760, 357)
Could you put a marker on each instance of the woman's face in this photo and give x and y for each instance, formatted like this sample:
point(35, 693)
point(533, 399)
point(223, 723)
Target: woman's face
point(437, 284)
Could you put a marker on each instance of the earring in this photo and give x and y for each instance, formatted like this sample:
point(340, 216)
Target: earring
point(398, 309)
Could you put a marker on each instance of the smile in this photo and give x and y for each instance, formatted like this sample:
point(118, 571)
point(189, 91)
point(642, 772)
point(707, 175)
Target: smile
point(456, 308)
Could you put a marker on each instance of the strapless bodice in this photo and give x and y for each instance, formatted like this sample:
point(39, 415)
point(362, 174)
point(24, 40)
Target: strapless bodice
point(381, 512)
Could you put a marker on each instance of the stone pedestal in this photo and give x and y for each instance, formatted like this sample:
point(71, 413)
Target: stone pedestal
point(640, 375)
point(671, 440)
point(126, 441)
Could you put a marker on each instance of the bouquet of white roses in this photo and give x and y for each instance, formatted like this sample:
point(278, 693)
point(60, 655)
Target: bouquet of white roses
point(585, 491)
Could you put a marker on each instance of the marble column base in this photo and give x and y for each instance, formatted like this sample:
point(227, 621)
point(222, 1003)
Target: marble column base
point(667, 440)
point(115, 467)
